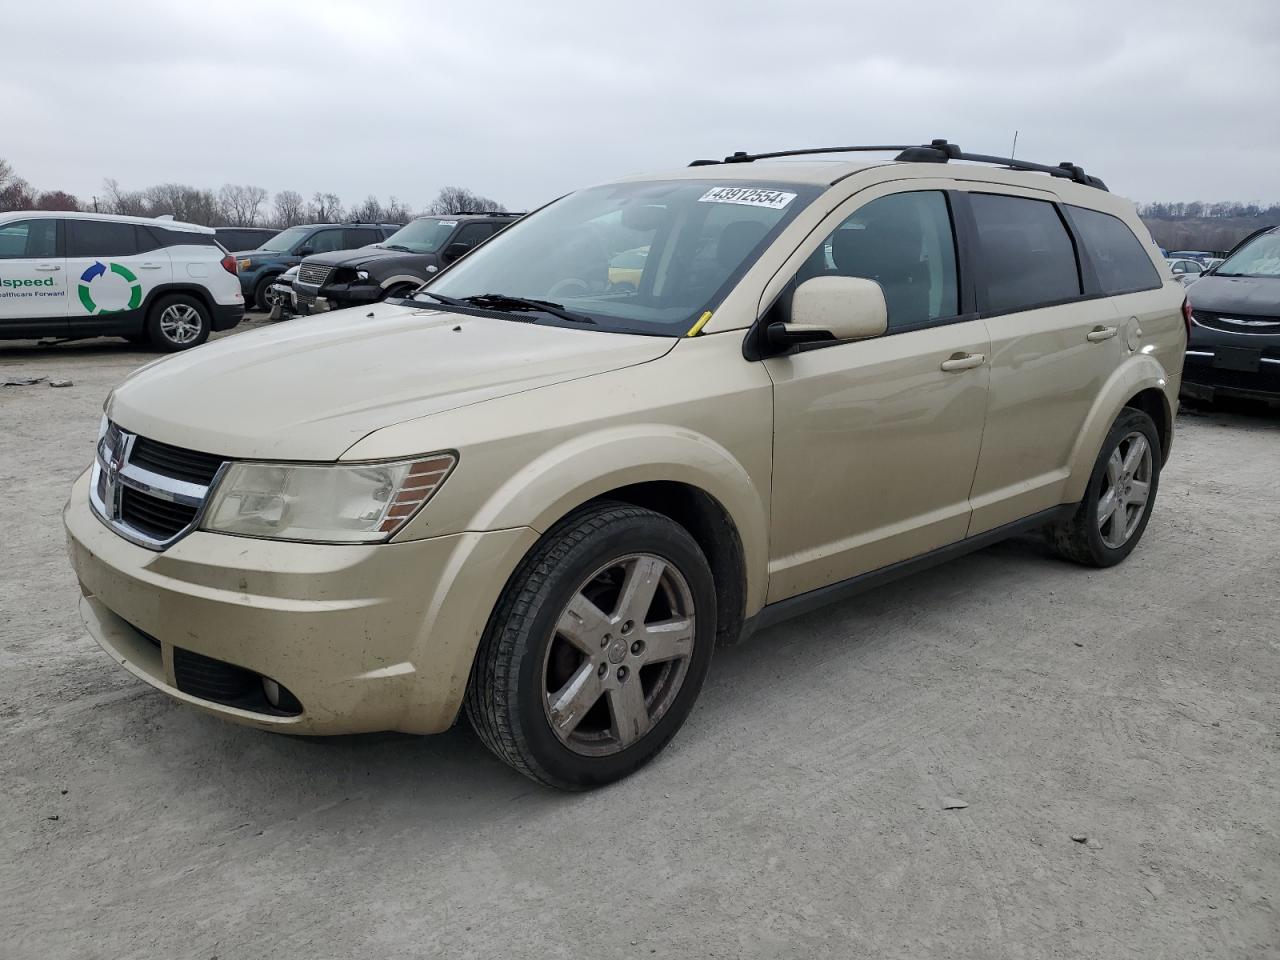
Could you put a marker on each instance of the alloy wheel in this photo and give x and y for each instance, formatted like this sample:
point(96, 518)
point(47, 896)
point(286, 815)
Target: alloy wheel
point(619, 654)
point(1126, 488)
point(181, 323)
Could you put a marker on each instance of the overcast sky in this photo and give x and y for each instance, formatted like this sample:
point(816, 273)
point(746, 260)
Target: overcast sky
point(525, 100)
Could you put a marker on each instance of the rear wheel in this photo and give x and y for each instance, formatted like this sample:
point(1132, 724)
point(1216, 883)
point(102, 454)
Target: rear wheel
point(597, 649)
point(1122, 491)
point(178, 322)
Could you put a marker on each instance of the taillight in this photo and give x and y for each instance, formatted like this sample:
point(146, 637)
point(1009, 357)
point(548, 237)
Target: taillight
point(1186, 315)
point(229, 264)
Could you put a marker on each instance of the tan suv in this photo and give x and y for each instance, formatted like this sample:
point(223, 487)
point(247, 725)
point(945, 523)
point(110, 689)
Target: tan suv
point(651, 416)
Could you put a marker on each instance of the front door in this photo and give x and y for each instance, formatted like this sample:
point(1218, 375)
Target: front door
point(33, 279)
point(876, 441)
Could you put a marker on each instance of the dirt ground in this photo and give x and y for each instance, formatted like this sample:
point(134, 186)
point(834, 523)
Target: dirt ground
point(799, 813)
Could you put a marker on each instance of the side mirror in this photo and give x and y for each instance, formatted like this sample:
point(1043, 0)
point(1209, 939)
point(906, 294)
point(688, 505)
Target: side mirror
point(455, 250)
point(833, 308)
point(306, 250)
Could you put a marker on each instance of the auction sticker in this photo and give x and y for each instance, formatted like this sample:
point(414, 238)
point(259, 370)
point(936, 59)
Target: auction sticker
point(748, 196)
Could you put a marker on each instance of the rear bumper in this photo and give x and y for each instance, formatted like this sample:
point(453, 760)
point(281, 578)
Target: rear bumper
point(226, 316)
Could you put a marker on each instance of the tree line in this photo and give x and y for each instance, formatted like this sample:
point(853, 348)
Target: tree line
point(1205, 226)
point(232, 205)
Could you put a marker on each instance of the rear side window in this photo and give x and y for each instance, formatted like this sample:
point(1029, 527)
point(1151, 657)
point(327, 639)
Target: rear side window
point(359, 237)
point(1118, 257)
point(28, 238)
point(101, 238)
point(183, 238)
point(1025, 253)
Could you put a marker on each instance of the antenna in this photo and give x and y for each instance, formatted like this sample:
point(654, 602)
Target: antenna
point(1013, 151)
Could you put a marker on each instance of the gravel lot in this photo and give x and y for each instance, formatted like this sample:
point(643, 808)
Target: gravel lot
point(798, 814)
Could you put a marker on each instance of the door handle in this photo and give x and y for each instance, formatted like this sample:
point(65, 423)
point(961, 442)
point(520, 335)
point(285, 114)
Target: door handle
point(46, 267)
point(1098, 334)
point(149, 266)
point(963, 361)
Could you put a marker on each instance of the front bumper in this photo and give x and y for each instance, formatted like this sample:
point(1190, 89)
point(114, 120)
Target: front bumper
point(335, 296)
point(366, 637)
point(1210, 370)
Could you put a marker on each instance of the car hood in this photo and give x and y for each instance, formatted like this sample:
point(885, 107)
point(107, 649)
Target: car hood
point(362, 256)
point(310, 389)
point(1256, 296)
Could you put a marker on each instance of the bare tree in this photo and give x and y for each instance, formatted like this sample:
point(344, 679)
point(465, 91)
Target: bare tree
point(325, 208)
point(128, 202)
point(370, 211)
point(288, 207)
point(241, 204)
point(462, 200)
point(182, 202)
point(57, 200)
point(397, 211)
point(16, 194)
point(6, 172)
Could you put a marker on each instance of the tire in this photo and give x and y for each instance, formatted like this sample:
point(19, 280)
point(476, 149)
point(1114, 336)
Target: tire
point(534, 653)
point(1094, 540)
point(178, 322)
point(260, 292)
point(399, 290)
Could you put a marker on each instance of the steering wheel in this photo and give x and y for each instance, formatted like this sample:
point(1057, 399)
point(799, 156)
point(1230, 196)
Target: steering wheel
point(573, 286)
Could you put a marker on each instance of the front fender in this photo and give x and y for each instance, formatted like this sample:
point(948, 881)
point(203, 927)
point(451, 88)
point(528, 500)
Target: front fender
point(587, 466)
point(1140, 372)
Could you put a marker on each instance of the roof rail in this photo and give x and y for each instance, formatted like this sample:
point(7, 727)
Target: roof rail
point(936, 151)
point(485, 213)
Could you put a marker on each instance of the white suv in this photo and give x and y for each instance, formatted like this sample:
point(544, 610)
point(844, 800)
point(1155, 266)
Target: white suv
point(76, 275)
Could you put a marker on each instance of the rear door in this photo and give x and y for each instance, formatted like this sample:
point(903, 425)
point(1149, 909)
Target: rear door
point(1052, 349)
point(33, 278)
point(113, 265)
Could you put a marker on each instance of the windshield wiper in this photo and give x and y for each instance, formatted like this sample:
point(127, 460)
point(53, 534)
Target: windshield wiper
point(505, 302)
point(447, 301)
point(394, 246)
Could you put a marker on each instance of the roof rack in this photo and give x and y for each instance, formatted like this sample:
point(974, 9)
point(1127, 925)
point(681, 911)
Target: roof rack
point(936, 151)
point(485, 213)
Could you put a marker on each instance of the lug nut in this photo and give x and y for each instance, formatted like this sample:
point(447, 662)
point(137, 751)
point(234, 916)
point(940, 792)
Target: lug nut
point(605, 641)
point(628, 627)
point(622, 673)
point(604, 668)
point(637, 647)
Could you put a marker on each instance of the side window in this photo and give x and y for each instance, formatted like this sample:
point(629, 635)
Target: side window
point(359, 237)
point(905, 243)
point(1118, 257)
point(1025, 253)
point(101, 238)
point(325, 241)
point(28, 238)
point(473, 233)
point(148, 240)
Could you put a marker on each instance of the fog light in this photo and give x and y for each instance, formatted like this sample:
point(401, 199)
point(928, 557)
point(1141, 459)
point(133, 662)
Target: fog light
point(272, 691)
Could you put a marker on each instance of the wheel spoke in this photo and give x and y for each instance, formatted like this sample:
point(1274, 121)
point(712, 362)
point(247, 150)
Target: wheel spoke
point(667, 640)
point(570, 703)
point(1134, 455)
point(1139, 491)
point(638, 588)
point(1115, 467)
point(628, 711)
point(1107, 504)
point(583, 624)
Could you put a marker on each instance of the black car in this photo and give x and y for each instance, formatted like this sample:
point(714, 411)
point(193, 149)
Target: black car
point(394, 267)
point(1234, 347)
point(244, 238)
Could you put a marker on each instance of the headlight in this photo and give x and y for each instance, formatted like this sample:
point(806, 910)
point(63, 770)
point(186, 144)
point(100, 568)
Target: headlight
point(362, 275)
point(347, 503)
point(244, 264)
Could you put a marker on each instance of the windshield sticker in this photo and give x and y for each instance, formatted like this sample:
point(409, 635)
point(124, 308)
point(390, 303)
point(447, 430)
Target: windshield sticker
point(449, 223)
point(748, 196)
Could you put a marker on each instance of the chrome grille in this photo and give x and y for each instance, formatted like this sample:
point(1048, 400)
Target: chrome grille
point(314, 273)
point(1237, 322)
point(151, 493)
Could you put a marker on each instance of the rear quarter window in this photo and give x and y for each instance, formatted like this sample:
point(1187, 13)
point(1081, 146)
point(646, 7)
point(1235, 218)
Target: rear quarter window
point(1118, 257)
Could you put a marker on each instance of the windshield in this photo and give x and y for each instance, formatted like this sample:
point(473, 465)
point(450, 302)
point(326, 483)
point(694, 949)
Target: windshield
point(286, 241)
point(421, 236)
point(1260, 257)
point(648, 257)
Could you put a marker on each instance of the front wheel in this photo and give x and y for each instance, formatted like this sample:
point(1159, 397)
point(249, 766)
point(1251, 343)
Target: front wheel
point(262, 292)
point(178, 322)
point(597, 649)
point(1117, 503)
